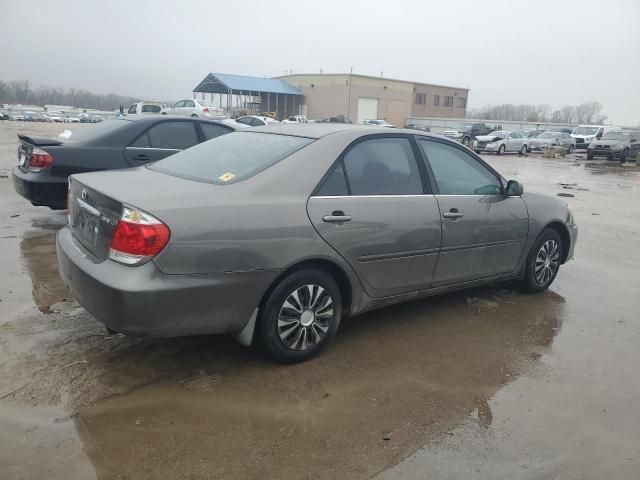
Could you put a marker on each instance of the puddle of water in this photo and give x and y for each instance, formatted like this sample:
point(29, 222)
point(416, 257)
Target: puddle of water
point(392, 380)
point(39, 255)
point(41, 440)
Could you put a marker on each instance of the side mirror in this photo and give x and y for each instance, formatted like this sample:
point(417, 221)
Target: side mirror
point(514, 189)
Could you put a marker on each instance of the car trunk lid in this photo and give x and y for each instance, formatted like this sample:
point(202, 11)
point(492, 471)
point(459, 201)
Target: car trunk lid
point(97, 200)
point(93, 217)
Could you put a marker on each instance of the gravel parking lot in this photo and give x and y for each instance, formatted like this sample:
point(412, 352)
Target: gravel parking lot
point(489, 381)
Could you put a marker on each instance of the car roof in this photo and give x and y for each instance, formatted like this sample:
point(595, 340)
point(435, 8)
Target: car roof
point(319, 130)
point(150, 118)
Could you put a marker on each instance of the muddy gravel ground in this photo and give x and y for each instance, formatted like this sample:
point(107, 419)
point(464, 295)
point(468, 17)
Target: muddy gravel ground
point(488, 383)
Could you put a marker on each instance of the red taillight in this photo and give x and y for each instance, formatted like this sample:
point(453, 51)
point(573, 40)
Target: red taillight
point(138, 237)
point(205, 109)
point(40, 159)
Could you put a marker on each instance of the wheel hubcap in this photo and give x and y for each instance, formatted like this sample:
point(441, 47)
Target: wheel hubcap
point(305, 317)
point(547, 262)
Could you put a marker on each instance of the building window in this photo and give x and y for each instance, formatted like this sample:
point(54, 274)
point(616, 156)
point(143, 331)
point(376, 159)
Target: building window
point(436, 100)
point(421, 98)
point(462, 102)
point(448, 101)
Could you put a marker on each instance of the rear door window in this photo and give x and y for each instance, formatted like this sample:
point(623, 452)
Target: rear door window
point(230, 158)
point(211, 130)
point(335, 184)
point(173, 135)
point(132, 109)
point(383, 166)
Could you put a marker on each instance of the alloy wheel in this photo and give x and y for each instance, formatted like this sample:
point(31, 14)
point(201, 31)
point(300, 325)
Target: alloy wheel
point(305, 317)
point(547, 262)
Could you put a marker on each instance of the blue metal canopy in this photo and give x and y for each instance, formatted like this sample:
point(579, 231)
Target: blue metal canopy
point(234, 84)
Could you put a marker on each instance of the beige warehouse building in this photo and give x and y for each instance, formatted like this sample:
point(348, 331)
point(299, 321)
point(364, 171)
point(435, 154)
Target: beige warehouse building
point(362, 97)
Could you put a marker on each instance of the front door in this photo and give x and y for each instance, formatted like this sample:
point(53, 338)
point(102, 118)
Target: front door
point(381, 216)
point(483, 230)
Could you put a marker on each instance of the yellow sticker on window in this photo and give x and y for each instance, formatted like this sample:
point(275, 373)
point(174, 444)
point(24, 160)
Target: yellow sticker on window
point(225, 177)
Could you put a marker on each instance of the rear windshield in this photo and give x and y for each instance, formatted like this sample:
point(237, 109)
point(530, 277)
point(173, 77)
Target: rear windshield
point(230, 158)
point(93, 131)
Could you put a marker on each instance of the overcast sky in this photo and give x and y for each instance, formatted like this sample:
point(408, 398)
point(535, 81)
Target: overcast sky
point(531, 51)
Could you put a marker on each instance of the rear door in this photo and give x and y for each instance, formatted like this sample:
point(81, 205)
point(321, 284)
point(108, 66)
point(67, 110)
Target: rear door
point(483, 231)
point(189, 107)
point(376, 210)
point(161, 140)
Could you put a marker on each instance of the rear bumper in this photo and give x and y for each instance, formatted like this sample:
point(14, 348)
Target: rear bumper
point(38, 191)
point(143, 301)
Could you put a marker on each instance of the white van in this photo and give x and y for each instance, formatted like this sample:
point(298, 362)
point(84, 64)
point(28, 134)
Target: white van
point(146, 108)
point(585, 134)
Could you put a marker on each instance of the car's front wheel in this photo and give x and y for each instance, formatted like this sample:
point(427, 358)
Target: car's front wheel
point(501, 149)
point(523, 150)
point(571, 148)
point(300, 316)
point(543, 261)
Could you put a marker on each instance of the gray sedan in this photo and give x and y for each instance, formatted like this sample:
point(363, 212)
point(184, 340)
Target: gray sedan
point(275, 234)
point(545, 139)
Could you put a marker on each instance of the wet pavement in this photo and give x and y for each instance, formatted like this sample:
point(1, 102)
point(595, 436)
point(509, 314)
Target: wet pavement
point(488, 383)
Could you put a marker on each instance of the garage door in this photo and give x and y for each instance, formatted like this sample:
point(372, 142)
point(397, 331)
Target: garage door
point(367, 109)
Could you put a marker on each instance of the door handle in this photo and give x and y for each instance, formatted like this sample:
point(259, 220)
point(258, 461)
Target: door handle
point(453, 213)
point(336, 216)
point(141, 156)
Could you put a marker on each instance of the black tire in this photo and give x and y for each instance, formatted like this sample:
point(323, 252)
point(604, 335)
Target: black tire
point(194, 116)
point(271, 334)
point(523, 150)
point(589, 156)
point(501, 149)
point(548, 241)
point(466, 141)
point(570, 150)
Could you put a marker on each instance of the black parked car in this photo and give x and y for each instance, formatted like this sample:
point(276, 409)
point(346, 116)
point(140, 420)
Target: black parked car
point(44, 164)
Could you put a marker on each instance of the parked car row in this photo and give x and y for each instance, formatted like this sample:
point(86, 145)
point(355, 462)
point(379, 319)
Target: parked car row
point(603, 141)
point(30, 116)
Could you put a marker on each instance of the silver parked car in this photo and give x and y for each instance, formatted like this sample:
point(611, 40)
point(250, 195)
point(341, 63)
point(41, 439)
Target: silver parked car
point(545, 139)
point(274, 234)
point(502, 141)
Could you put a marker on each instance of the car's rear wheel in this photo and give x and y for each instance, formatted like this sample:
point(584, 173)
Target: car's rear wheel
point(543, 261)
point(501, 149)
point(300, 316)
